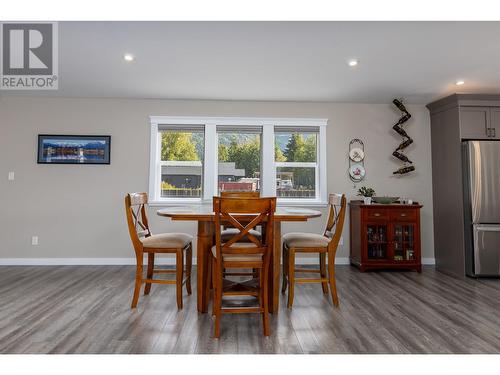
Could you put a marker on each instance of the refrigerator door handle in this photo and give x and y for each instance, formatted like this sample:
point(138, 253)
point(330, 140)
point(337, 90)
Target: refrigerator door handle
point(487, 228)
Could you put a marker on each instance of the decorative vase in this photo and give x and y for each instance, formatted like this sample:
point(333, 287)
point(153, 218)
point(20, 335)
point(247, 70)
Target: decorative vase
point(367, 200)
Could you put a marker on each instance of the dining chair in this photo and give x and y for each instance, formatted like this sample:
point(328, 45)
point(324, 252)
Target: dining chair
point(244, 214)
point(146, 243)
point(230, 231)
point(327, 243)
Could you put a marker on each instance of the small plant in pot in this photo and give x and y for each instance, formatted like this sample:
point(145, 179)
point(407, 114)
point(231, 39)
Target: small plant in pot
point(367, 193)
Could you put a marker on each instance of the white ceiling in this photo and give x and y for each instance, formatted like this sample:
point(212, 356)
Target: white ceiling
point(302, 61)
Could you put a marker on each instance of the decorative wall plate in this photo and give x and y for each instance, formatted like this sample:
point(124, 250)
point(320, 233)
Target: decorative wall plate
point(357, 172)
point(356, 154)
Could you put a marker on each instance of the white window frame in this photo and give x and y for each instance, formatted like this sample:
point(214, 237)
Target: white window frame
point(210, 172)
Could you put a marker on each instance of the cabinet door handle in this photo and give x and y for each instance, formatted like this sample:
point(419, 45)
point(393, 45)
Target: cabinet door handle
point(403, 214)
point(494, 130)
point(488, 132)
point(376, 214)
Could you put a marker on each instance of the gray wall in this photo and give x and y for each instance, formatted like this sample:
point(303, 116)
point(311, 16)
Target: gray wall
point(77, 211)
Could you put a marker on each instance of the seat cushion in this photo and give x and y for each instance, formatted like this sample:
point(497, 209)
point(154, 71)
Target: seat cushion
point(167, 241)
point(298, 239)
point(229, 233)
point(239, 257)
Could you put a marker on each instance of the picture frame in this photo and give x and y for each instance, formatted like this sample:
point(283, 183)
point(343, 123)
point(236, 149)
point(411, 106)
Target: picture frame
point(74, 149)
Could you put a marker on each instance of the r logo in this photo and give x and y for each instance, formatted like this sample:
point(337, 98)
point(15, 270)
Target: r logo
point(29, 58)
point(27, 49)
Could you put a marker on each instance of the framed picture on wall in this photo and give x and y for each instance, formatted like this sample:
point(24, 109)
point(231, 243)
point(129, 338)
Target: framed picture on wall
point(74, 149)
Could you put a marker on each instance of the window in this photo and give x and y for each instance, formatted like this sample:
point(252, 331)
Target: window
point(194, 158)
point(181, 162)
point(239, 155)
point(296, 155)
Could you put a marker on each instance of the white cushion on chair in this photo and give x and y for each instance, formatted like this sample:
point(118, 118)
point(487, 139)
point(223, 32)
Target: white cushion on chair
point(229, 233)
point(167, 241)
point(305, 240)
point(239, 257)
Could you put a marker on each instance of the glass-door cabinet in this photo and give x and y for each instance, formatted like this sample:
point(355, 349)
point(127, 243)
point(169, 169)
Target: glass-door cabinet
point(377, 241)
point(403, 240)
point(385, 236)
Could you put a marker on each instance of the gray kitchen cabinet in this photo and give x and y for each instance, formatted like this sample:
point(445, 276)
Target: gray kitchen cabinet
point(495, 122)
point(475, 123)
point(454, 119)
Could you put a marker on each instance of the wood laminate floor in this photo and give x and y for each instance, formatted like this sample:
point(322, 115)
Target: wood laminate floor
point(85, 309)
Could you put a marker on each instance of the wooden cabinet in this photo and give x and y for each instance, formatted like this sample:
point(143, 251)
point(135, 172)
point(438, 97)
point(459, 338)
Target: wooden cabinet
point(385, 236)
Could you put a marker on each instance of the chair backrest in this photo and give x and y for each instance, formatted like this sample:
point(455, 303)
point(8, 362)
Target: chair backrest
point(336, 215)
point(240, 194)
point(244, 214)
point(138, 227)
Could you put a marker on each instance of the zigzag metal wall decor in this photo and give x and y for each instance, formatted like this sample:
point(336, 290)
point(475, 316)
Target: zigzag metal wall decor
point(407, 140)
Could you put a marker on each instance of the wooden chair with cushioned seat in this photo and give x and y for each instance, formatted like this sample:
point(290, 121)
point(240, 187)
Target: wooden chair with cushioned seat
point(229, 231)
point(244, 214)
point(146, 243)
point(327, 243)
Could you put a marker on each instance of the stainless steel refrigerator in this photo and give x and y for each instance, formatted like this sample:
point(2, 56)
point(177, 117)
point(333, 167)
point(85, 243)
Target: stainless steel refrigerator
point(482, 207)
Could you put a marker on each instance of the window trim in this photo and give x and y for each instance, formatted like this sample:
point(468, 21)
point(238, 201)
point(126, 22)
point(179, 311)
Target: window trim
point(268, 164)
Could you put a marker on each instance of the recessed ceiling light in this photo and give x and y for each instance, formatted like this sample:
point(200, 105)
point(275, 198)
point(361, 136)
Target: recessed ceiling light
point(353, 62)
point(459, 83)
point(128, 57)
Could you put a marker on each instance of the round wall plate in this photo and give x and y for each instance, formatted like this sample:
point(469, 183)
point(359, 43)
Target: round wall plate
point(357, 171)
point(356, 154)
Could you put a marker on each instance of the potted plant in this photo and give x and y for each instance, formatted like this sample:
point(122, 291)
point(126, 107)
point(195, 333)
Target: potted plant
point(367, 193)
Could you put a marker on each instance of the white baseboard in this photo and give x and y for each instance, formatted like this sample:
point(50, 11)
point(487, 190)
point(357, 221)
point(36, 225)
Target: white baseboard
point(131, 261)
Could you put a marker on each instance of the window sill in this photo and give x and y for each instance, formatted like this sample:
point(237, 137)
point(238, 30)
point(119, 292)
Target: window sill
point(199, 202)
point(177, 202)
point(302, 202)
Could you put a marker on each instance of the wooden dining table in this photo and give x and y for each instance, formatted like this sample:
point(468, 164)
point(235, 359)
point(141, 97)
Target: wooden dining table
point(204, 215)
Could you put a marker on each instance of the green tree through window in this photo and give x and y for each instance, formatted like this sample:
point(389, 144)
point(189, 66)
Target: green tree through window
point(179, 146)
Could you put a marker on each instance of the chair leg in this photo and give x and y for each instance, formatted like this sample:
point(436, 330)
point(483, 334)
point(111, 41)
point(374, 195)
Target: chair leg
point(331, 278)
point(138, 281)
point(291, 276)
point(322, 268)
point(211, 267)
point(151, 266)
point(264, 274)
point(285, 268)
point(217, 299)
point(189, 266)
point(179, 268)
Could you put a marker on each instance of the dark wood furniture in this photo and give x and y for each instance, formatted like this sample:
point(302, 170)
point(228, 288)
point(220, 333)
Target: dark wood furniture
point(229, 231)
point(315, 243)
point(385, 236)
point(456, 118)
point(146, 243)
point(255, 254)
point(204, 215)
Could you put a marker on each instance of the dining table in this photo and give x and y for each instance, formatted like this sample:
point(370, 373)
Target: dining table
point(204, 216)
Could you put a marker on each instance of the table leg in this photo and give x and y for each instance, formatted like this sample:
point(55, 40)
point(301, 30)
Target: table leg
point(274, 279)
point(205, 243)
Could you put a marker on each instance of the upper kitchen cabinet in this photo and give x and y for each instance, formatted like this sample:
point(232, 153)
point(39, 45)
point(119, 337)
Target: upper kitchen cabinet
point(475, 123)
point(495, 122)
